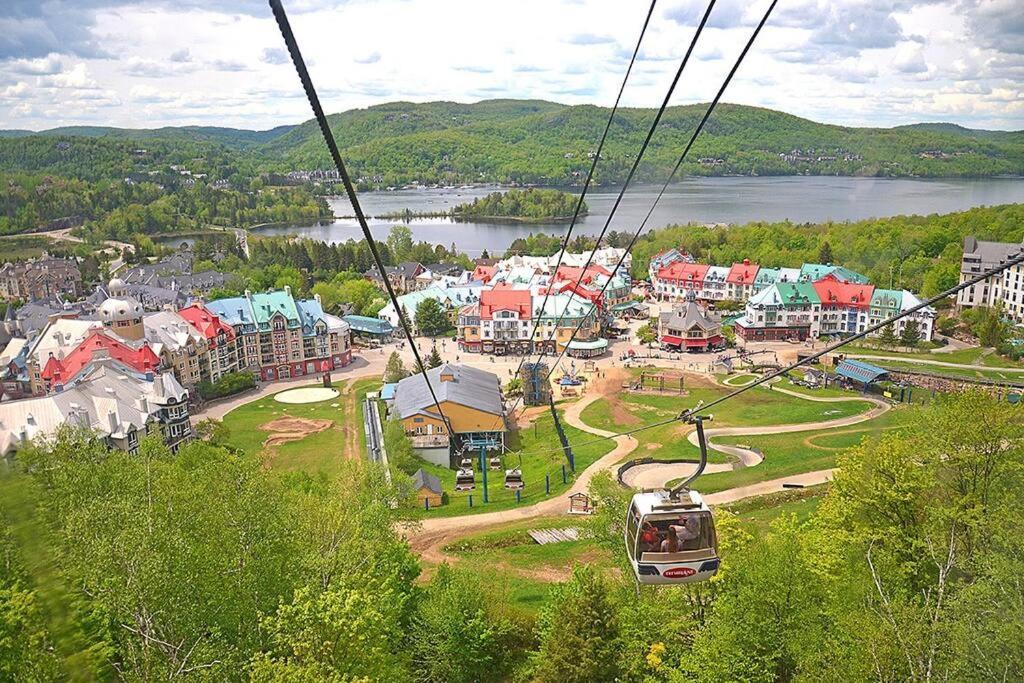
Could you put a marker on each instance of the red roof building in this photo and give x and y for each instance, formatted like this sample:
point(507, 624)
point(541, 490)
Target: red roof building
point(210, 325)
point(576, 273)
point(484, 273)
point(743, 273)
point(58, 372)
point(516, 300)
point(844, 294)
point(676, 278)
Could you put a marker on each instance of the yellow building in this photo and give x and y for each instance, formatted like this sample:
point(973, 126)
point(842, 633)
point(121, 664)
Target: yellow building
point(472, 412)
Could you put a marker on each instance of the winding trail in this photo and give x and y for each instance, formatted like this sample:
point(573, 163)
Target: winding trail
point(656, 475)
point(428, 537)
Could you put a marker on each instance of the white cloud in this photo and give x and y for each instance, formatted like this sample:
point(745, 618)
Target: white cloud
point(153, 62)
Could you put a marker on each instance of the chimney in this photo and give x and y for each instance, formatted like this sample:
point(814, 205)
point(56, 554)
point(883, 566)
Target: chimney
point(112, 421)
point(248, 294)
point(144, 405)
point(316, 297)
point(288, 290)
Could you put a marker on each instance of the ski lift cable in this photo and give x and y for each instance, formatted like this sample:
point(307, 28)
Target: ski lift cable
point(632, 171)
point(693, 412)
point(590, 176)
point(332, 146)
point(686, 150)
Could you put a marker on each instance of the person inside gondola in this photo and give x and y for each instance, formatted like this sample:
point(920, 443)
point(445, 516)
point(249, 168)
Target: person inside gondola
point(649, 538)
point(671, 542)
point(688, 530)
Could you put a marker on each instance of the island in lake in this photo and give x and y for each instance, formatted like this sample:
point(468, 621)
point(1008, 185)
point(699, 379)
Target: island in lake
point(529, 205)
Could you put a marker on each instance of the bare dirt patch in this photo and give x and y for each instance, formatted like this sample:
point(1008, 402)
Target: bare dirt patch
point(653, 446)
point(286, 429)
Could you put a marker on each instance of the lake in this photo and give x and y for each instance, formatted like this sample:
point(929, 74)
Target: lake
point(703, 200)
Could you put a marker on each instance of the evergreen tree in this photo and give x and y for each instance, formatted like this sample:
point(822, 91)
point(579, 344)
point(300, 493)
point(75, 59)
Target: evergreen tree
point(578, 633)
point(911, 334)
point(434, 359)
point(887, 336)
point(825, 253)
point(431, 318)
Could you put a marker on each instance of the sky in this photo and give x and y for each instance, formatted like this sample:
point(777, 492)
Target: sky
point(153, 63)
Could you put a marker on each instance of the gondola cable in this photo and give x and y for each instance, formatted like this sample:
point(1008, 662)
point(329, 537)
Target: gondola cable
point(629, 177)
point(693, 412)
point(589, 178)
point(325, 130)
point(686, 150)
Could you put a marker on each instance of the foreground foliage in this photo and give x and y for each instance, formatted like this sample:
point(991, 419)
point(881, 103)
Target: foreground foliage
point(204, 565)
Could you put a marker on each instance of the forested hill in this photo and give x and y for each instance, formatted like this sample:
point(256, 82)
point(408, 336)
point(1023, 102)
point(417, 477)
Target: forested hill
point(532, 141)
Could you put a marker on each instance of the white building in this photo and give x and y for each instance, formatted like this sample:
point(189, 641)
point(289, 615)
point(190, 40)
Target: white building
point(1006, 290)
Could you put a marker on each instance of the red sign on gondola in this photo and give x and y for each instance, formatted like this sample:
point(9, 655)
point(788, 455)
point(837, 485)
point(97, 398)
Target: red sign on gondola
point(678, 572)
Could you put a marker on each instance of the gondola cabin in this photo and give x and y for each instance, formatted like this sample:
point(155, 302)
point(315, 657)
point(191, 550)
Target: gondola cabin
point(514, 479)
point(671, 541)
point(465, 480)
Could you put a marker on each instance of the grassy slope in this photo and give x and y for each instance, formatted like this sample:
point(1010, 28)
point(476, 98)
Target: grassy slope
point(757, 407)
point(321, 452)
point(789, 454)
point(537, 443)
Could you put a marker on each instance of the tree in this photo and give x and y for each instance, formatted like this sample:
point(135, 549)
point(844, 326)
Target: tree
point(578, 632)
point(395, 370)
point(646, 334)
point(911, 334)
point(888, 337)
point(400, 243)
point(434, 359)
point(431, 318)
point(453, 636)
point(990, 329)
point(825, 253)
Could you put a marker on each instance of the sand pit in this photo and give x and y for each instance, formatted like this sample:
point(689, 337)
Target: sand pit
point(306, 395)
point(285, 429)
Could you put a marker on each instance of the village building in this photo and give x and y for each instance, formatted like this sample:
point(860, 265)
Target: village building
point(688, 328)
point(844, 306)
point(714, 286)
point(505, 319)
point(59, 372)
point(786, 310)
point(558, 316)
point(367, 329)
point(473, 412)
point(1005, 290)
point(426, 489)
point(282, 337)
point(119, 407)
point(741, 280)
point(220, 355)
point(42, 278)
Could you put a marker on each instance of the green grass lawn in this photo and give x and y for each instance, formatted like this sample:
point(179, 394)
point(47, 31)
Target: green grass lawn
point(972, 356)
point(515, 568)
point(740, 380)
point(799, 452)
point(322, 452)
point(537, 443)
point(758, 513)
point(1016, 374)
point(756, 407)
